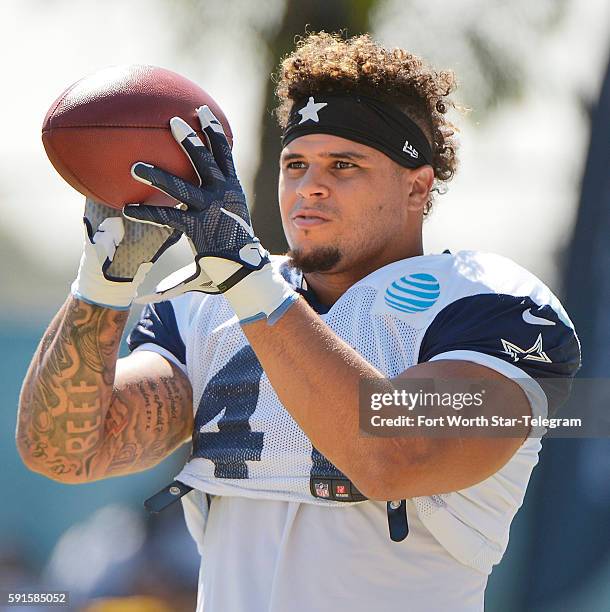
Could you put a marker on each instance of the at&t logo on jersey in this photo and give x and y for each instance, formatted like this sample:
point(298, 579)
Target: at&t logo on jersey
point(413, 293)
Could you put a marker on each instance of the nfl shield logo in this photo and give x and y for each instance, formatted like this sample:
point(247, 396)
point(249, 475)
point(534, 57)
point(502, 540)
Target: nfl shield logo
point(322, 489)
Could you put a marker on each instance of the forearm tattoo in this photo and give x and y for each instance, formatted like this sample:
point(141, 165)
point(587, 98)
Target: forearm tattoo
point(72, 423)
point(139, 438)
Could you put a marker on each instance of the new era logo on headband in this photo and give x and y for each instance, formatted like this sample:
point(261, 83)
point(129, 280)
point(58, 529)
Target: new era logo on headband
point(410, 150)
point(310, 110)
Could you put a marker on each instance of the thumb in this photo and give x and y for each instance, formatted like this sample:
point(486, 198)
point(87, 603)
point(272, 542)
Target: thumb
point(189, 278)
point(109, 234)
point(105, 240)
point(157, 215)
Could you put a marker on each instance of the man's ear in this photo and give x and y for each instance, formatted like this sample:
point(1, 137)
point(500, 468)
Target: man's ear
point(420, 182)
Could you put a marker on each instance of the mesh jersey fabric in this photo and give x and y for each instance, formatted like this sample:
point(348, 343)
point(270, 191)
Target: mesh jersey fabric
point(424, 308)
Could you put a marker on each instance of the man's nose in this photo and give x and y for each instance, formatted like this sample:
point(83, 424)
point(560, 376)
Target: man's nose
point(312, 185)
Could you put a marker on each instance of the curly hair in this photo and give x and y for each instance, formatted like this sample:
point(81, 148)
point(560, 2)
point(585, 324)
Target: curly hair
point(325, 63)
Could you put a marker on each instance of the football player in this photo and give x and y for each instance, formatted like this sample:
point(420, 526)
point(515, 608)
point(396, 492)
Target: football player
point(259, 359)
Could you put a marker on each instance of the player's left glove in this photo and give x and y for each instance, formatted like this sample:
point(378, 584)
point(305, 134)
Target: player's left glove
point(117, 255)
point(217, 224)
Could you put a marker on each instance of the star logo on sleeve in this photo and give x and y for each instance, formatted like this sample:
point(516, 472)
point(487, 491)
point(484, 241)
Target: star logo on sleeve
point(310, 110)
point(534, 353)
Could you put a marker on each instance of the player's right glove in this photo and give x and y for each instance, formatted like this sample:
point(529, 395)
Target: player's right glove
point(117, 255)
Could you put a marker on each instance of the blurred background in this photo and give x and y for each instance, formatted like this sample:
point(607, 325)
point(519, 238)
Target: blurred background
point(534, 185)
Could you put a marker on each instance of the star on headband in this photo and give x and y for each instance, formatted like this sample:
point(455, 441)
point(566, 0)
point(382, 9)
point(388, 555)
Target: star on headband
point(310, 110)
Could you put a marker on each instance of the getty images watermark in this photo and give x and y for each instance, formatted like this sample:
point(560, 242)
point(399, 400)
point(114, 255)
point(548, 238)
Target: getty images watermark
point(481, 407)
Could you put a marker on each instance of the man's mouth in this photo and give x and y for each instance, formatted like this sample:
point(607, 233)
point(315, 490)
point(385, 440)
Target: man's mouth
point(305, 219)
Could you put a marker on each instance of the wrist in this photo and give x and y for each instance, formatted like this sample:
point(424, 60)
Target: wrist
point(262, 294)
point(93, 287)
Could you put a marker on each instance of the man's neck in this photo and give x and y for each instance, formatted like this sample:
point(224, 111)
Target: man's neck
point(330, 286)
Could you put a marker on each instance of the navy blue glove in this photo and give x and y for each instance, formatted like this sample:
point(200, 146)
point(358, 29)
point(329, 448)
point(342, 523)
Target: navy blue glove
point(228, 257)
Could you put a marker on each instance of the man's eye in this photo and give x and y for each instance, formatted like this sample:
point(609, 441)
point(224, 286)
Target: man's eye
point(342, 165)
point(295, 165)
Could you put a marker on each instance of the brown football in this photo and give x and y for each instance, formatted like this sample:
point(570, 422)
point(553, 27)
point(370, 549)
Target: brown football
point(104, 123)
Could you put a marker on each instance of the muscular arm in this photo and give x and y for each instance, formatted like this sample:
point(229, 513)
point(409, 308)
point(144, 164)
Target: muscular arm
point(316, 376)
point(84, 415)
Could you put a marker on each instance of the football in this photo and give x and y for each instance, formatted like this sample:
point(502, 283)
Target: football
point(104, 123)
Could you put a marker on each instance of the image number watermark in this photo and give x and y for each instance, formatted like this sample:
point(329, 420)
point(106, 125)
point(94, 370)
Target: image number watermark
point(45, 599)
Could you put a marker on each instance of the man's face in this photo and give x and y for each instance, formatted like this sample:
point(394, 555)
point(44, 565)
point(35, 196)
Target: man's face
point(344, 204)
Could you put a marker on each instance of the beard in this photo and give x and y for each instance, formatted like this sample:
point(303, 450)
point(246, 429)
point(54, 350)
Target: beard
point(322, 259)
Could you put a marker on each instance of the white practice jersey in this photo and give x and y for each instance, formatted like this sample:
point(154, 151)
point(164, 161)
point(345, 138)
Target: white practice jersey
point(285, 529)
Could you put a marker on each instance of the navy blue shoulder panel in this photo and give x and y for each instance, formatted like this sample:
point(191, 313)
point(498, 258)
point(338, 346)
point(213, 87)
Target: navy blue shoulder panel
point(157, 325)
point(512, 328)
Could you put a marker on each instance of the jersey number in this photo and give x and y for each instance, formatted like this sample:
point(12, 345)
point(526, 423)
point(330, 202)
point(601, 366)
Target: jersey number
point(233, 393)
